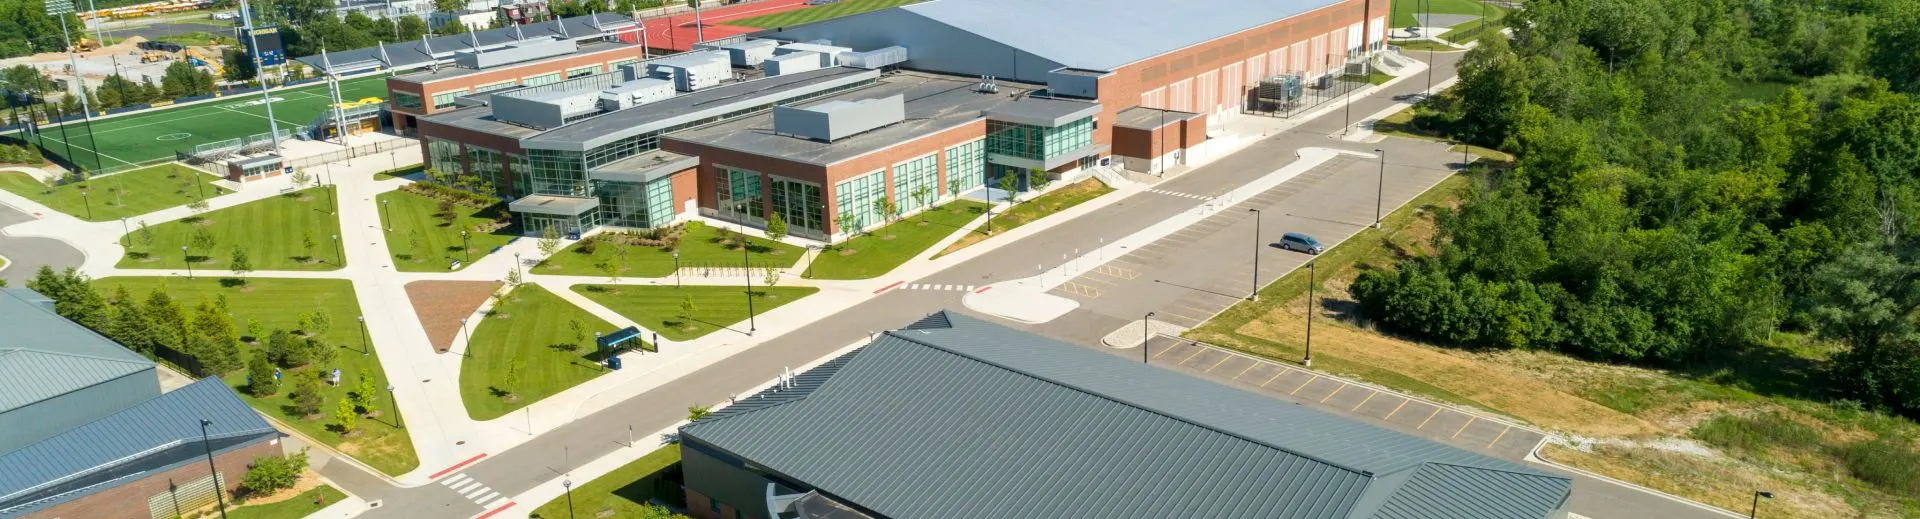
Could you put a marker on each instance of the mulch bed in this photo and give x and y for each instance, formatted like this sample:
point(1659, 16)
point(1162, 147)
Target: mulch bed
point(441, 305)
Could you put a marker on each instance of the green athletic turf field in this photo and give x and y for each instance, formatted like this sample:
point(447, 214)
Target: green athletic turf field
point(156, 134)
point(816, 13)
point(1404, 12)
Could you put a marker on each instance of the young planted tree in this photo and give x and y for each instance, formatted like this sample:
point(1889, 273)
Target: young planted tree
point(549, 241)
point(776, 228)
point(579, 334)
point(306, 393)
point(687, 308)
point(513, 278)
point(848, 223)
point(612, 270)
point(300, 178)
point(363, 394)
point(306, 245)
point(320, 322)
point(772, 277)
point(345, 417)
point(953, 186)
point(240, 264)
point(254, 329)
point(145, 235)
point(260, 381)
point(413, 246)
point(1007, 184)
point(920, 196)
point(512, 379)
point(203, 240)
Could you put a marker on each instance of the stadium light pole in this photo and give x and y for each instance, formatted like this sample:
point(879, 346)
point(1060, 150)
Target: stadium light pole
point(86, 112)
point(206, 444)
point(259, 70)
point(1254, 295)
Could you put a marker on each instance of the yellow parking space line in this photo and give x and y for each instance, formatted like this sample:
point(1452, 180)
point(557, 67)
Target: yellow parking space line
point(1370, 395)
point(1336, 391)
point(1304, 384)
point(1276, 375)
point(1396, 409)
point(1496, 439)
point(1163, 351)
point(1223, 360)
point(1423, 423)
point(1250, 365)
point(1196, 353)
point(1463, 428)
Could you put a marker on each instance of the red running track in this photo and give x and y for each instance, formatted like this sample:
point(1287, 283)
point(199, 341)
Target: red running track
point(677, 32)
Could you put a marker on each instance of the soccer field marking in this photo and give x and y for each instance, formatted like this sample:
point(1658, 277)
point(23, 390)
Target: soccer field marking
point(43, 135)
point(282, 121)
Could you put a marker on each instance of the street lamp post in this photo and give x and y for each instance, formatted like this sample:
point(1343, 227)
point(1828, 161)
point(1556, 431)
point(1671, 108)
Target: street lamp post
point(1144, 324)
point(88, 201)
point(746, 262)
point(465, 336)
point(335, 206)
point(516, 264)
point(218, 489)
point(1308, 362)
point(363, 335)
point(676, 269)
point(466, 248)
point(1380, 188)
point(1757, 494)
point(568, 484)
point(1255, 294)
point(126, 238)
point(339, 256)
point(398, 422)
point(185, 259)
point(386, 207)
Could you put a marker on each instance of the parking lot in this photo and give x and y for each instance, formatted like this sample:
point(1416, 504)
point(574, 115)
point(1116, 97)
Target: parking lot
point(1479, 432)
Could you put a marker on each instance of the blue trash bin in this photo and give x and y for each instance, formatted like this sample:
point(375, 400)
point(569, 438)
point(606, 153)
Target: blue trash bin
point(613, 362)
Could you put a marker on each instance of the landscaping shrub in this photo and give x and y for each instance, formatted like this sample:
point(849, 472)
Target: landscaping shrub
point(448, 194)
point(1756, 433)
point(271, 474)
point(1887, 462)
point(10, 154)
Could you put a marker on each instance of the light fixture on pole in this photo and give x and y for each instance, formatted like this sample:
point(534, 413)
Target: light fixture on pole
point(676, 269)
point(363, 335)
point(188, 260)
point(1757, 494)
point(568, 484)
point(219, 489)
point(1308, 362)
point(338, 255)
point(1380, 188)
point(398, 422)
point(386, 206)
point(1254, 295)
point(1144, 325)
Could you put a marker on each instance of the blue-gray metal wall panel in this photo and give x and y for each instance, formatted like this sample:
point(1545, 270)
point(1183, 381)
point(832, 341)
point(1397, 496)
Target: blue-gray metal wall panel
point(46, 418)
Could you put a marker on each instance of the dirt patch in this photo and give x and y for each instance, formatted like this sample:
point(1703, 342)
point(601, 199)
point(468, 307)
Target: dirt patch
point(441, 305)
point(1525, 397)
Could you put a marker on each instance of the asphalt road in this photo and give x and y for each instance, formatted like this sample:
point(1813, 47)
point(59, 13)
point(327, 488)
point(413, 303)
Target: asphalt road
point(26, 255)
point(1334, 203)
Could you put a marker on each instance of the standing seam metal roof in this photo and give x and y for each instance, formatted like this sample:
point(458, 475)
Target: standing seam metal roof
point(44, 355)
point(977, 420)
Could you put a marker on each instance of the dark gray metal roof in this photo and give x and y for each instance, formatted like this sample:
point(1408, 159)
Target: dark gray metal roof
point(412, 54)
point(935, 103)
point(586, 48)
point(1105, 35)
point(43, 355)
point(168, 420)
point(979, 420)
point(694, 106)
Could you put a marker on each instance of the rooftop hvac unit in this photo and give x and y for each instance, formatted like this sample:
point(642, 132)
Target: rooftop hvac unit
point(690, 73)
point(749, 53)
point(792, 63)
point(828, 53)
point(1285, 88)
point(876, 58)
point(635, 93)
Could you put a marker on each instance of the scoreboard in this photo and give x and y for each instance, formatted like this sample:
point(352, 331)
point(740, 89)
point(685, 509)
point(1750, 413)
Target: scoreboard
point(264, 44)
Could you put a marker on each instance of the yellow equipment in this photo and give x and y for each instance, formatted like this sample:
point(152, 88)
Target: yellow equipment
point(197, 58)
point(155, 57)
point(86, 44)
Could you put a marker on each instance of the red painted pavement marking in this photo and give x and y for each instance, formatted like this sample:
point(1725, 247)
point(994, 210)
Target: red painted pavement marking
point(495, 511)
point(889, 287)
point(983, 289)
point(457, 466)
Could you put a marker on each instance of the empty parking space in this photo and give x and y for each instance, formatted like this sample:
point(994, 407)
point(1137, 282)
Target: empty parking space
point(1465, 429)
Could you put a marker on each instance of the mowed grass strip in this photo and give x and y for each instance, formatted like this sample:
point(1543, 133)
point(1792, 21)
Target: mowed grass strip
point(1035, 209)
point(700, 247)
point(117, 196)
point(277, 303)
point(627, 491)
point(532, 327)
point(294, 507)
point(272, 230)
point(815, 13)
point(658, 308)
point(155, 134)
point(1406, 14)
point(874, 254)
point(422, 241)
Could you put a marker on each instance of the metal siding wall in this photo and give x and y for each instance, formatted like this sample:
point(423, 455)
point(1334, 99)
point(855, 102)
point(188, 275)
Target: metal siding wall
point(1256, 70)
point(1207, 92)
point(1317, 55)
point(1233, 83)
point(1180, 95)
point(1298, 61)
point(44, 419)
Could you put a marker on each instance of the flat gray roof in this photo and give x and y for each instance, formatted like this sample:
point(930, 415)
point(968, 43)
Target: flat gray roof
point(1143, 118)
point(480, 119)
point(1034, 27)
point(645, 167)
point(411, 54)
point(693, 106)
point(956, 417)
point(934, 103)
point(553, 205)
point(586, 48)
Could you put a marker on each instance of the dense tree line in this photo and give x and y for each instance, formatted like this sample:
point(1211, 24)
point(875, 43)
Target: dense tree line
point(30, 30)
point(1662, 209)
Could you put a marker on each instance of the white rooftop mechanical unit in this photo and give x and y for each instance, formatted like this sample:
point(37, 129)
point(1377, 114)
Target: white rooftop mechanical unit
point(792, 63)
point(529, 50)
point(834, 120)
point(635, 93)
point(693, 71)
point(829, 55)
point(749, 53)
point(874, 59)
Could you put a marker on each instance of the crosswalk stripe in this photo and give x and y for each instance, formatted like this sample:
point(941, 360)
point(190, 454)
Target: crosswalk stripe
point(457, 478)
point(488, 497)
point(476, 493)
point(464, 487)
point(496, 502)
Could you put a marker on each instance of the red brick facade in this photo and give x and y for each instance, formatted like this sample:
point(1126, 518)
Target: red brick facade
point(129, 500)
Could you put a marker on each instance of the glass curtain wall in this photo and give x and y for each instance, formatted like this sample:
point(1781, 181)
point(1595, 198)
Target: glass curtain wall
point(484, 165)
point(444, 155)
point(912, 176)
point(1034, 142)
point(967, 163)
point(740, 196)
point(558, 173)
point(639, 205)
point(522, 177)
point(855, 197)
point(798, 203)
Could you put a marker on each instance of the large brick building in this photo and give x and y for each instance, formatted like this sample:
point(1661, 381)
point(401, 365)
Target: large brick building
point(992, 88)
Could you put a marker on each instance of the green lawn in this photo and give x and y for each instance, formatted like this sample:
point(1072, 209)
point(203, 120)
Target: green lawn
point(657, 308)
point(1403, 12)
point(112, 197)
point(272, 231)
point(412, 219)
point(277, 304)
point(295, 507)
point(879, 252)
point(400, 172)
point(1373, 77)
point(626, 490)
point(699, 247)
point(810, 14)
point(1424, 46)
point(533, 327)
point(157, 133)
point(1059, 200)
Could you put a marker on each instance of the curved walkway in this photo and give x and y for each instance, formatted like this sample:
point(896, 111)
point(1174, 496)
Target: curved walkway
point(25, 255)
